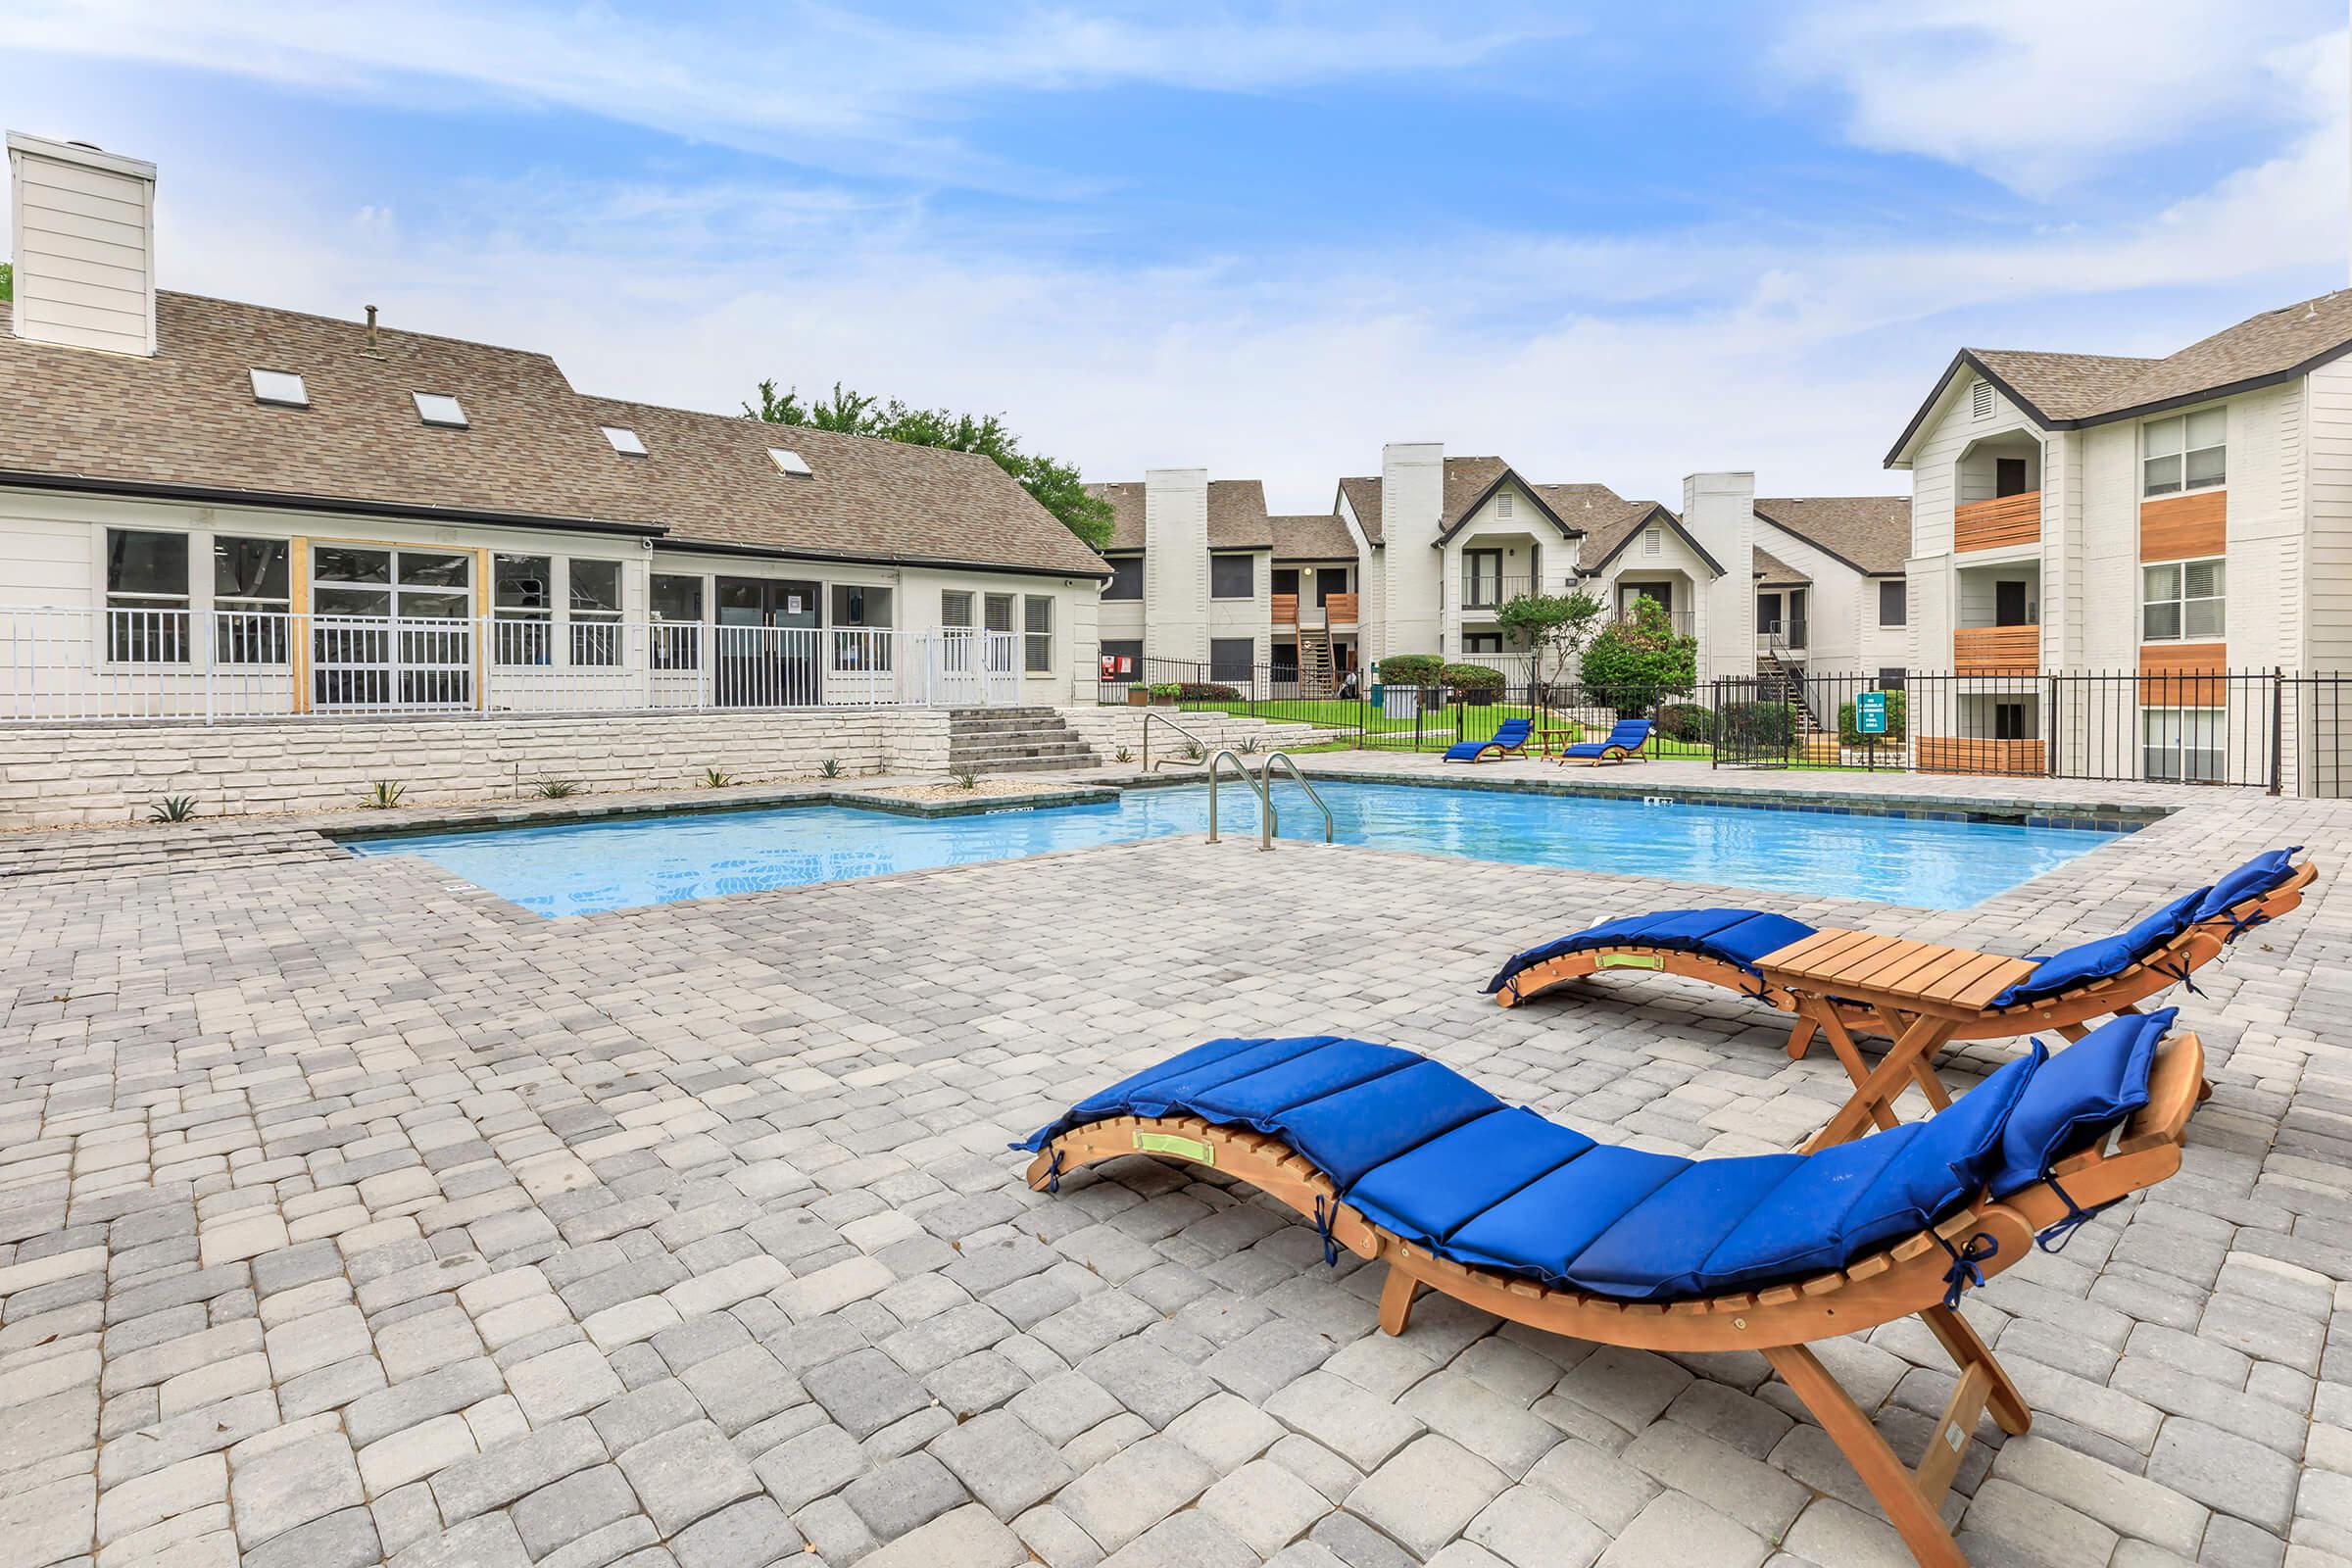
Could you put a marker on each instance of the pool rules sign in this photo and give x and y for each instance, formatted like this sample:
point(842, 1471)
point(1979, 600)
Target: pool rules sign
point(1870, 712)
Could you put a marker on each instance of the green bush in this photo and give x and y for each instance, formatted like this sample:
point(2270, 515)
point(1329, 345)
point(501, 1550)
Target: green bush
point(1639, 659)
point(1686, 723)
point(1205, 691)
point(1848, 735)
point(1756, 726)
point(1412, 669)
point(1475, 683)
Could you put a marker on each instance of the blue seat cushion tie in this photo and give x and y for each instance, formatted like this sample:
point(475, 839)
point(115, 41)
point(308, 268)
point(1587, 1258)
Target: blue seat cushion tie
point(1736, 937)
point(1422, 1151)
point(2256, 876)
point(2087, 962)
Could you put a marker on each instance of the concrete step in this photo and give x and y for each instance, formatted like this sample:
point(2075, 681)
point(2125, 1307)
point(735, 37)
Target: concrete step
point(1034, 764)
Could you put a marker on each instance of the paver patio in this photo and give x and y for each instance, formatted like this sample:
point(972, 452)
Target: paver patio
point(348, 1213)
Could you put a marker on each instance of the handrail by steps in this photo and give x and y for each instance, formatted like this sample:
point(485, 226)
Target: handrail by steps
point(1265, 774)
point(1151, 714)
point(1255, 785)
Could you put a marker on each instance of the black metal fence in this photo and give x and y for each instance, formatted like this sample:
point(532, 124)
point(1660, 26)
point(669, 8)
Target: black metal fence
point(2267, 729)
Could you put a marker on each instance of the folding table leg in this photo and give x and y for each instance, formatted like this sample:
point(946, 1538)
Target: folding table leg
point(1875, 1096)
point(1908, 1508)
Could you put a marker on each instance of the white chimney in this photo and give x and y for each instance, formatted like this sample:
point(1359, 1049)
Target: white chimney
point(1176, 563)
point(1720, 512)
point(82, 229)
point(1412, 506)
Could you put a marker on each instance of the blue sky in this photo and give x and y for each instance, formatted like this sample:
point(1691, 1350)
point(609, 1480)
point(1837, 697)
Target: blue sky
point(1611, 243)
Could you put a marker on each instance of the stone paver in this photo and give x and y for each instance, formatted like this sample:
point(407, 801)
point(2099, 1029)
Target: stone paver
point(347, 1215)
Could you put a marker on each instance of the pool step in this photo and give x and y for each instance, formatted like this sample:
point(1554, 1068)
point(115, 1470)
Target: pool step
point(1014, 740)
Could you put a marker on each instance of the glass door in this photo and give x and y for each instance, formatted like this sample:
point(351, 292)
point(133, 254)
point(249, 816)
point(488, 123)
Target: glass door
point(391, 628)
point(767, 643)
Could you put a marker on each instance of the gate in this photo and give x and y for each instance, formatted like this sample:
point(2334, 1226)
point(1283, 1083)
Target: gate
point(1754, 723)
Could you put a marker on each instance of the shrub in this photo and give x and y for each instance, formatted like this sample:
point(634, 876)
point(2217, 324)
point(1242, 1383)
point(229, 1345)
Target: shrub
point(967, 779)
point(1164, 688)
point(1123, 754)
point(1848, 735)
point(1686, 723)
point(1641, 660)
point(1412, 669)
point(1473, 683)
point(1756, 725)
point(172, 808)
point(385, 794)
point(1205, 691)
point(830, 767)
point(717, 779)
point(555, 788)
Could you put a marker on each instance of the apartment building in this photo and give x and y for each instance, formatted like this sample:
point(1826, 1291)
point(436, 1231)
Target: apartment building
point(2161, 518)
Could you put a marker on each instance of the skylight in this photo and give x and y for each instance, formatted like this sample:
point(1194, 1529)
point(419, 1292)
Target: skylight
point(792, 462)
point(283, 387)
point(624, 440)
point(439, 407)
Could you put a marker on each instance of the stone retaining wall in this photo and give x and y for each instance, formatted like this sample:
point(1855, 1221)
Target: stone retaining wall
point(1106, 729)
point(66, 774)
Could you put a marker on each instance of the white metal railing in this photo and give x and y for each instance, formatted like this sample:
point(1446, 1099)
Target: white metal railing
point(164, 663)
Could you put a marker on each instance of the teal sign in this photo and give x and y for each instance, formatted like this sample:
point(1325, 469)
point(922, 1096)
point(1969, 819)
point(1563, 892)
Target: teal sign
point(1870, 712)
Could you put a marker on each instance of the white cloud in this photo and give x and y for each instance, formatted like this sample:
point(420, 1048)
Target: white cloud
point(2039, 95)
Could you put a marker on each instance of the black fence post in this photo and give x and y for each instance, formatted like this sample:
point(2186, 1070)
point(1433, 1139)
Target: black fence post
point(2277, 727)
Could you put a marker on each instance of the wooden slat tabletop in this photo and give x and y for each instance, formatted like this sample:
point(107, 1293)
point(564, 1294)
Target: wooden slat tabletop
point(1865, 965)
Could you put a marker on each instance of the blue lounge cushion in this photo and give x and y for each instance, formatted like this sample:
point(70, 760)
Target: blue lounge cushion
point(1736, 937)
point(1628, 735)
point(2091, 1085)
point(1510, 735)
point(2256, 877)
point(1422, 1151)
point(2097, 959)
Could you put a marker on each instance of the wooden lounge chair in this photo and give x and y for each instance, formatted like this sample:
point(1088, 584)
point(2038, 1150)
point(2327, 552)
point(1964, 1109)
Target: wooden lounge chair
point(1624, 745)
point(1404, 1162)
point(1508, 739)
point(1918, 996)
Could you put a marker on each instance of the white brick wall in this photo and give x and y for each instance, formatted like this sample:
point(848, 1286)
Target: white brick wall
point(59, 775)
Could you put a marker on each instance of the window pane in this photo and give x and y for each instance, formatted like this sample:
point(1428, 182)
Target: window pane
point(1037, 618)
point(854, 605)
point(2161, 436)
point(678, 598)
point(419, 570)
point(1232, 576)
point(1126, 578)
point(1039, 613)
point(2209, 428)
point(2208, 466)
point(2163, 476)
point(523, 583)
point(2205, 578)
point(1894, 608)
point(250, 569)
point(146, 562)
point(434, 606)
point(2160, 582)
point(375, 602)
point(595, 585)
point(1230, 658)
point(334, 564)
point(2161, 620)
point(2203, 618)
point(956, 610)
point(1000, 611)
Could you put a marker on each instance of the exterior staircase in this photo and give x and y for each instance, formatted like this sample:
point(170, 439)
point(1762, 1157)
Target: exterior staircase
point(1014, 740)
point(1317, 677)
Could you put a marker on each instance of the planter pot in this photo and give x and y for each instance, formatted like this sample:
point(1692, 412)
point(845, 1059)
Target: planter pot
point(1137, 697)
point(1163, 702)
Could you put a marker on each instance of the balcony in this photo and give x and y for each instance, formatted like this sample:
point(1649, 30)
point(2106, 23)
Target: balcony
point(1336, 610)
point(1996, 650)
point(1998, 523)
point(1785, 637)
point(1490, 593)
point(1286, 610)
point(1341, 609)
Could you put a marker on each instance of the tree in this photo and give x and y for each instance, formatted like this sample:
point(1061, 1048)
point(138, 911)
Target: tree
point(1055, 486)
point(1552, 627)
point(8, 281)
point(1632, 662)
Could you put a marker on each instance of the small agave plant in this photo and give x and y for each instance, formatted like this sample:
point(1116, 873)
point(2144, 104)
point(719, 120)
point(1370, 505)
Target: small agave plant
point(1123, 754)
point(173, 809)
point(967, 779)
point(717, 779)
point(385, 794)
point(830, 767)
point(555, 788)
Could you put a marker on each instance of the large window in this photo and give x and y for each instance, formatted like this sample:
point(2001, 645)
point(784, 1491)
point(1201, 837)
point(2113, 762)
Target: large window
point(1482, 579)
point(523, 602)
point(678, 606)
point(2186, 451)
point(861, 627)
point(2182, 742)
point(1037, 629)
point(1126, 578)
point(146, 597)
point(1232, 576)
point(1894, 609)
point(1230, 658)
point(595, 612)
point(251, 589)
point(2182, 600)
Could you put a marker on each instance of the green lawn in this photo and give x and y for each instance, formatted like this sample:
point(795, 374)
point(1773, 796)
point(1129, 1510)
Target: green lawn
point(1438, 730)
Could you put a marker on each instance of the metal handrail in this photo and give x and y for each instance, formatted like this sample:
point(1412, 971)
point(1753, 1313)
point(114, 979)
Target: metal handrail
point(1255, 785)
point(1149, 716)
point(1265, 774)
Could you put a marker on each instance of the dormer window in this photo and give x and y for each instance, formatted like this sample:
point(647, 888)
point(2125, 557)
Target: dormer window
point(280, 388)
point(439, 407)
point(790, 462)
point(623, 440)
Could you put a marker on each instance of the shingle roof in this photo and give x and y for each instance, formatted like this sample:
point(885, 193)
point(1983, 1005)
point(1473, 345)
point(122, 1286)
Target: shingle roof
point(1608, 518)
point(1236, 514)
point(185, 419)
point(1312, 536)
point(1869, 533)
point(1363, 498)
point(2066, 390)
point(1772, 572)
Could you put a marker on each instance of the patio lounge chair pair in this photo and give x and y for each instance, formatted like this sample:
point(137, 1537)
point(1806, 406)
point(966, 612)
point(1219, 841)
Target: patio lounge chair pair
point(1404, 1161)
point(1624, 745)
point(1918, 996)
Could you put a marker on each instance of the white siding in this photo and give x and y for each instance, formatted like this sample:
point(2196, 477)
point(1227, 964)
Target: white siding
point(82, 232)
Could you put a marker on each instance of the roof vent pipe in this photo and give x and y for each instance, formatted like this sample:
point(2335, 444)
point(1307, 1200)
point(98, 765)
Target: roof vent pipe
point(371, 329)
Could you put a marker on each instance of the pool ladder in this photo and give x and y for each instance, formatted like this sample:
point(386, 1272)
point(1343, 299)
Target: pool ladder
point(1261, 784)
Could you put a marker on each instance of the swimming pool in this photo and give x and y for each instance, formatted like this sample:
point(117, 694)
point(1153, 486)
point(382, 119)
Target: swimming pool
point(590, 867)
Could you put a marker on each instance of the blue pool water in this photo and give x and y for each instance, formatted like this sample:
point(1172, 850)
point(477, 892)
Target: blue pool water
point(588, 867)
